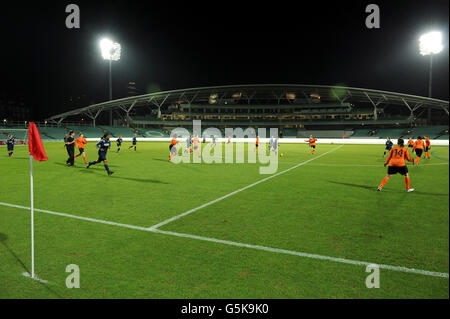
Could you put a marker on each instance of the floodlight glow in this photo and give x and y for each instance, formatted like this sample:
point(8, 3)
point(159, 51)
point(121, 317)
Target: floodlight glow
point(110, 50)
point(430, 43)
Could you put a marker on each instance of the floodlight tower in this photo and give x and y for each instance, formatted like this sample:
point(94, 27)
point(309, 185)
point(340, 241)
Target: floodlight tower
point(111, 52)
point(430, 44)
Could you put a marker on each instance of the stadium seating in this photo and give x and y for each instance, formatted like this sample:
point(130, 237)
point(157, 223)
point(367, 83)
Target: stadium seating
point(431, 131)
point(5, 131)
point(323, 133)
point(389, 132)
point(289, 132)
point(115, 131)
point(379, 133)
point(363, 133)
point(52, 133)
point(151, 132)
point(88, 131)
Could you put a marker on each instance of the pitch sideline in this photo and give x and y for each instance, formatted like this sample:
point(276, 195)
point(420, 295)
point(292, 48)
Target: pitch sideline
point(237, 244)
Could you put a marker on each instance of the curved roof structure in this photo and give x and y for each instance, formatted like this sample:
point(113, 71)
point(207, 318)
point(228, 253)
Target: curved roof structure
point(258, 94)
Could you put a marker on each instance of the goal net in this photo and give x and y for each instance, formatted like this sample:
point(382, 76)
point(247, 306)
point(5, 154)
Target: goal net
point(20, 135)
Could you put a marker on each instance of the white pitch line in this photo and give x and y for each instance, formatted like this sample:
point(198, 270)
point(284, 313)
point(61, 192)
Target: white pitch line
point(303, 254)
point(243, 245)
point(35, 278)
point(76, 217)
point(238, 191)
point(365, 165)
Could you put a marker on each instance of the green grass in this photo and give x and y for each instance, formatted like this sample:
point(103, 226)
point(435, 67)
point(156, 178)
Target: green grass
point(328, 206)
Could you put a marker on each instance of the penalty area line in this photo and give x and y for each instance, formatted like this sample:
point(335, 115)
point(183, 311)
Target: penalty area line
point(165, 222)
point(237, 244)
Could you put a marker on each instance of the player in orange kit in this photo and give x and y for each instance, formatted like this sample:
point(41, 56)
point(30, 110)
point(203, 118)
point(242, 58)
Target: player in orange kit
point(410, 143)
point(256, 144)
point(312, 143)
point(195, 141)
point(418, 148)
point(427, 147)
point(172, 148)
point(396, 161)
point(81, 141)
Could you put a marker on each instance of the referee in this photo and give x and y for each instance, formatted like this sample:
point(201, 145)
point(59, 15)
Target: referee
point(70, 145)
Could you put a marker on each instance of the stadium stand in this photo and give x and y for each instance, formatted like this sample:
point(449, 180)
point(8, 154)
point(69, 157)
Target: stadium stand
point(289, 132)
point(115, 131)
point(284, 106)
point(154, 133)
point(52, 133)
point(379, 133)
point(442, 137)
point(88, 131)
point(297, 111)
point(324, 133)
point(432, 132)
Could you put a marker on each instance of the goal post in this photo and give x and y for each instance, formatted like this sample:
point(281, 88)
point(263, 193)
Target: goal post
point(20, 135)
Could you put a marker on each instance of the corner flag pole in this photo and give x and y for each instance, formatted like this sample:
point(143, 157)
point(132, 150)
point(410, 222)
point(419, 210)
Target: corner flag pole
point(32, 215)
point(37, 152)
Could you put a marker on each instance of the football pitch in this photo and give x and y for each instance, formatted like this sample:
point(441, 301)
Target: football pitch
point(156, 229)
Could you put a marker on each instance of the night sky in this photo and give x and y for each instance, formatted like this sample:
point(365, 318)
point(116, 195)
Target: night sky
point(172, 45)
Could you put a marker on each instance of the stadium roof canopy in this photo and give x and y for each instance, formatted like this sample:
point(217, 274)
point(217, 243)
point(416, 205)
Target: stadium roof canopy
point(255, 94)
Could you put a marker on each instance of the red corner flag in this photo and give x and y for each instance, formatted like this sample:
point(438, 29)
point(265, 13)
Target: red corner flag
point(38, 153)
point(35, 144)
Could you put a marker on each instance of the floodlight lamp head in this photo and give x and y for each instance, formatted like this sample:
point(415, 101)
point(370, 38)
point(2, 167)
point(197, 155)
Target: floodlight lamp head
point(110, 50)
point(430, 43)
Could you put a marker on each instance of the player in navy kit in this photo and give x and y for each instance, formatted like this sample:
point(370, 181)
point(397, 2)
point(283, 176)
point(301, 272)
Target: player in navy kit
point(103, 147)
point(10, 143)
point(275, 145)
point(389, 145)
point(134, 142)
point(188, 144)
point(119, 143)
